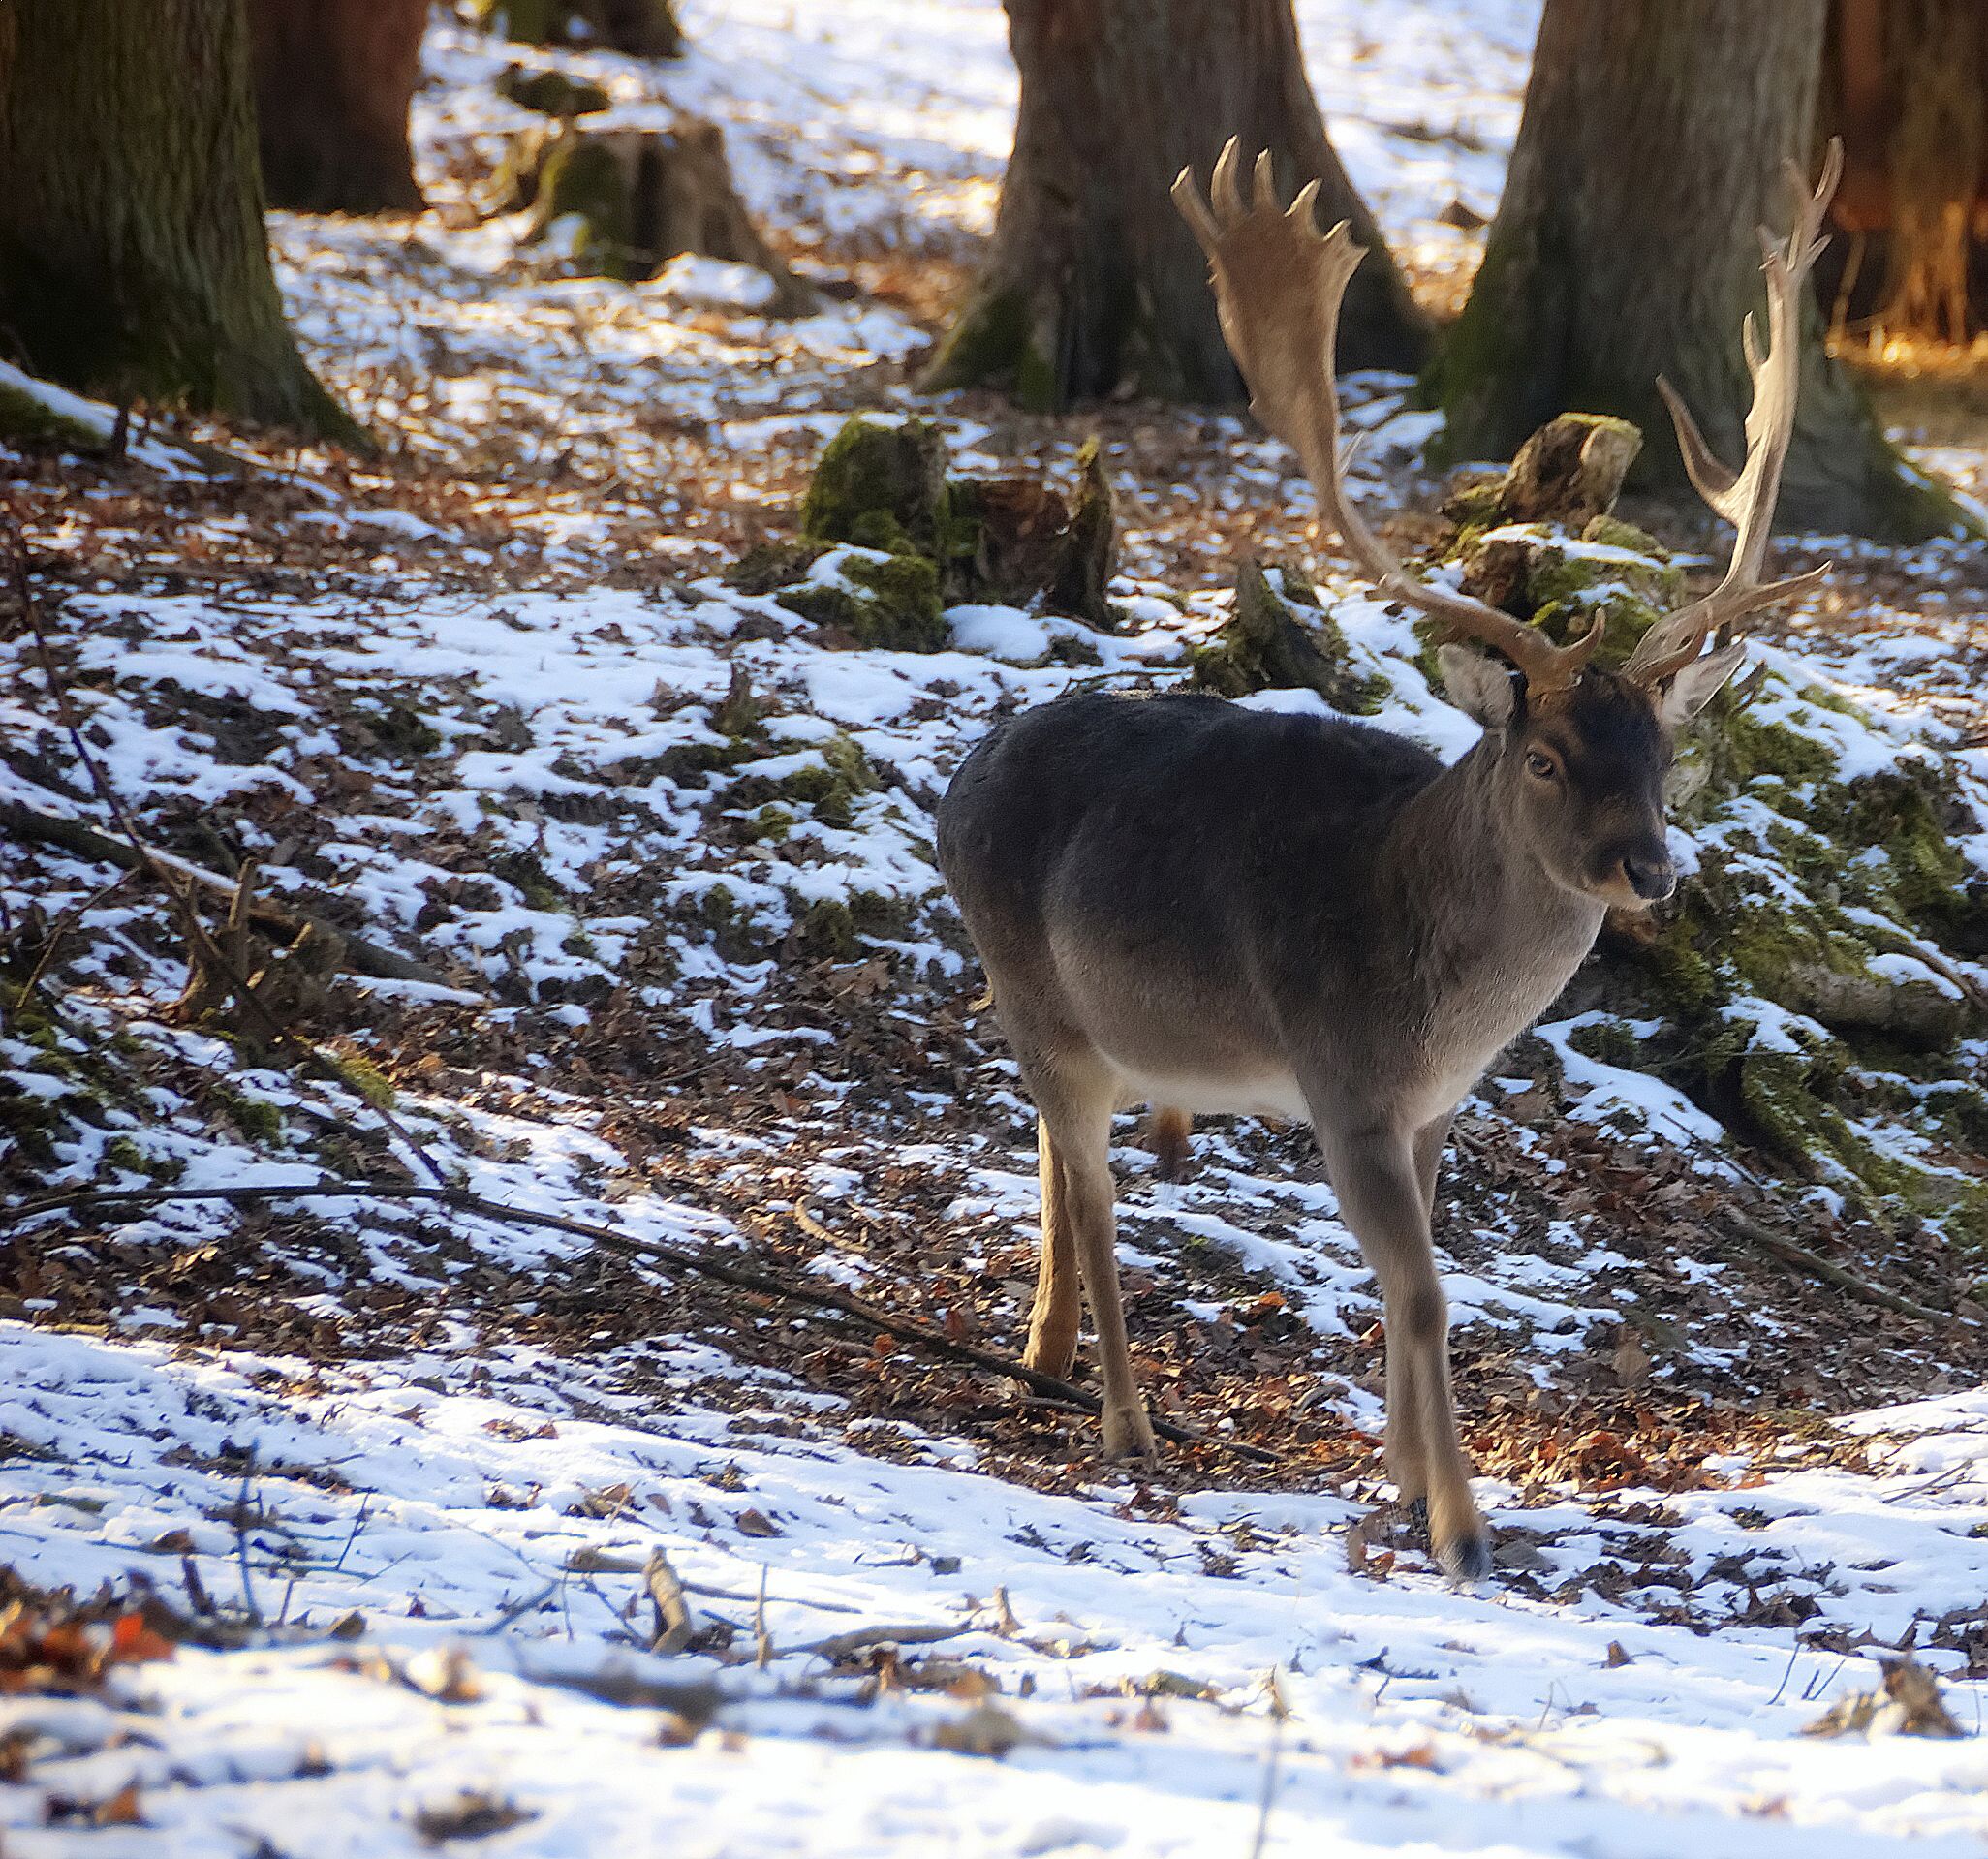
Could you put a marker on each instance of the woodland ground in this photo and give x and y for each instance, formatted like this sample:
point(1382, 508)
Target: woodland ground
point(393, 1476)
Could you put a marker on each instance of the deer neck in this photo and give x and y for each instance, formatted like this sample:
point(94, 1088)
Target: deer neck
point(1493, 937)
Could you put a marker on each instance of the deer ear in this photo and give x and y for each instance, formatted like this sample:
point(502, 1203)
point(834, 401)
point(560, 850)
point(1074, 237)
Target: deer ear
point(1477, 685)
point(1695, 685)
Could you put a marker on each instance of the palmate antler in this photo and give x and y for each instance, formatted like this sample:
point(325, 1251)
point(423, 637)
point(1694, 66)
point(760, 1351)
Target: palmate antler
point(1279, 283)
point(1746, 498)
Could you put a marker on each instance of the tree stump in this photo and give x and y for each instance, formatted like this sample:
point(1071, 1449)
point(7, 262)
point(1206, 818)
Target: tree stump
point(642, 28)
point(633, 199)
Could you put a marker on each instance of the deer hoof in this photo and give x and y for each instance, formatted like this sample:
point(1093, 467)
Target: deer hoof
point(1128, 1435)
point(1466, 1557)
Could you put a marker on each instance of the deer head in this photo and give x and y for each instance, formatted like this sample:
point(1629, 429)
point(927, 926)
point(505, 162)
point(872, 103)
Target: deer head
point(1579, 753)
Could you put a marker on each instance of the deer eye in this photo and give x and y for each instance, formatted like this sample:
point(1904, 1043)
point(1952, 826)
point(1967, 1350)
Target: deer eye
point(1540, 765)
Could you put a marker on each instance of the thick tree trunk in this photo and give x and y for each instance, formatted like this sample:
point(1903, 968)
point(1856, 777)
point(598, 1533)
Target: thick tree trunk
point(133, 262)
point(1623, 248)
point(1905, 83)
point(1093, 283)
point(333, 81)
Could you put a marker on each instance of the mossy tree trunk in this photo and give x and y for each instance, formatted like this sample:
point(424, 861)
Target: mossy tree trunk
point(1650, 149)
point(1093, 283)
point(132, 261)
point(334, 83)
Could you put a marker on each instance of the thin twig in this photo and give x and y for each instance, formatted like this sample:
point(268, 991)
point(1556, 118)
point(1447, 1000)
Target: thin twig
point(742, 1277)
point(1754, 1234)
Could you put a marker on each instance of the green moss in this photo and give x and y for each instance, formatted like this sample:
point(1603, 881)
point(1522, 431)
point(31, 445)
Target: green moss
point(584, 181)
point(535, 884)
point(257, 1119)
point(770, 823)
point(882, 486)
point(24, 419)
point(994, 344)
point(580, 944)
point(826, 931)
point(767, 567)
point(401, 729)
point(1280, 638)
point(829, 788)
point(1608, 1042)
point(363, 1076)
point(892, 603)
point(1614, 533)
point(124, 1155)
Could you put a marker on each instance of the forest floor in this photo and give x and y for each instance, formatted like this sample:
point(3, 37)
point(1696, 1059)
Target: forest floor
point(347, 1526)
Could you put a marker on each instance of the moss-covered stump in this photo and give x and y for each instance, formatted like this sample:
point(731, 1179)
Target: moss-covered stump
point(642, 28)
point(552, 93)
point(623, 202)
point(867, 596)
point(1280, 638)
point(1019, 541)
point(1562, 582)
point(881, 484)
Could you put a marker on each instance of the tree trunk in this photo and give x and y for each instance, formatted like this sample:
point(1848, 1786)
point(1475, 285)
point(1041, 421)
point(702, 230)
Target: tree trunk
point(333, 81)
point(1905, 83)
point(1093, 284)
point(133, 262)
point(1623, 248)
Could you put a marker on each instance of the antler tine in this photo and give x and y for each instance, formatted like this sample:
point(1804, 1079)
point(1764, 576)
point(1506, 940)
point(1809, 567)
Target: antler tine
point(1279, 284)
point(1745, 497)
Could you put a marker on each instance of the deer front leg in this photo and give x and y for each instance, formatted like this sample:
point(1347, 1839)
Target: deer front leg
point(1053, 1318)
point(1381, 1192)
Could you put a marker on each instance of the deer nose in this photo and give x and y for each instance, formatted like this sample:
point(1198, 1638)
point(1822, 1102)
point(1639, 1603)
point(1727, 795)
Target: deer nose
point(1651, 876)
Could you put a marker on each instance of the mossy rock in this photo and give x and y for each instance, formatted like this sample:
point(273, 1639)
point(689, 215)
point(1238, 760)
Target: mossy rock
point(552, 93)
point(888, 602)
point(1280, 638)
point(883, 486)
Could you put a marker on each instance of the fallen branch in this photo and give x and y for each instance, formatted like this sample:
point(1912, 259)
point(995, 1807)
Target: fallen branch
point(742, 1277)
point(859, 1639)
point(1754, 1234)
point(86, 841)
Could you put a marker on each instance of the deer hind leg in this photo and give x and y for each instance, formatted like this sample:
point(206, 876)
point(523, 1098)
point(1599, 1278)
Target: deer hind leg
point(1074, 1100)
point(1054, 1316)
point(1381, 1192)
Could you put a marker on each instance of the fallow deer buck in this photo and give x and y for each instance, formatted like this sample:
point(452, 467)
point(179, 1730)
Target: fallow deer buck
point(1205, 908)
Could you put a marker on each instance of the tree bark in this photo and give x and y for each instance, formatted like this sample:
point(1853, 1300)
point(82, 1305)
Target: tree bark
point(1905, 83)
point(1093, 284)
point(1650, 149)
point(334, 83)
point(132, 261)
